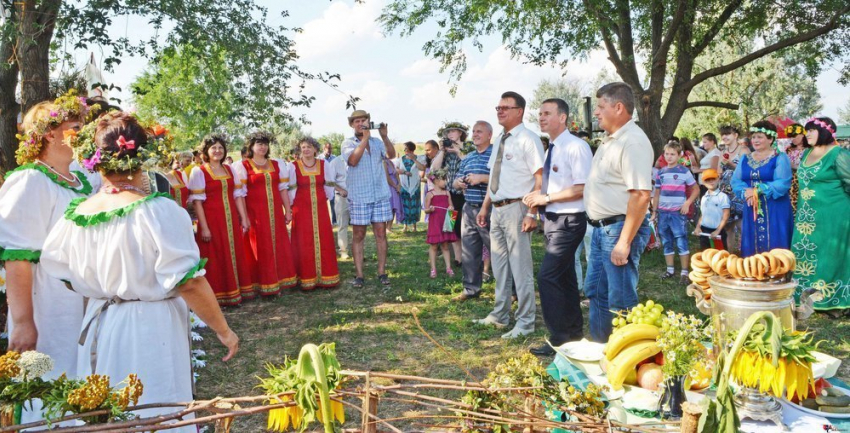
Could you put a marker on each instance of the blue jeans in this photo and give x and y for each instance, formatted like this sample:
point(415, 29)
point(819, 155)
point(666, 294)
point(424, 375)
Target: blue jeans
point(610, 287)
point(673, 230)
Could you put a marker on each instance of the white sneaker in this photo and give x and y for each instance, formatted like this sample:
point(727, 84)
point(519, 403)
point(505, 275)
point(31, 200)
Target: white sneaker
point(489, 321)
point(516, 332)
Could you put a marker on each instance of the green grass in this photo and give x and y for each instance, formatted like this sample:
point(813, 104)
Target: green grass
point(373, 327)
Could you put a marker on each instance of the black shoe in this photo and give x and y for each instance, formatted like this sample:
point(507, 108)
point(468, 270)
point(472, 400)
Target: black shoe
point(358, 282)
point(384, 279)
point(542, 350)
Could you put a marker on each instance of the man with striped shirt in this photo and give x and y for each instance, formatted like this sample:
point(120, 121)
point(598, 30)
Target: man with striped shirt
point(472, 178)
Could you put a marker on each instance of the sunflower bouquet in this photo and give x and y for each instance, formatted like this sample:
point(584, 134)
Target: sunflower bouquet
point(312, 377)
point(775, 361)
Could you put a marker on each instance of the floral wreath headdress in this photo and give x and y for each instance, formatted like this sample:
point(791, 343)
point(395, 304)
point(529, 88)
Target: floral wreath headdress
point(452, 125)
point(158, 151)
point(823, 125)
point(68, 106)
point(764, 131)
point(795, 129)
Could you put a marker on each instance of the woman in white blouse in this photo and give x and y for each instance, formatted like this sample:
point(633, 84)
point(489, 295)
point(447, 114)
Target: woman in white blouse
point(133, 255)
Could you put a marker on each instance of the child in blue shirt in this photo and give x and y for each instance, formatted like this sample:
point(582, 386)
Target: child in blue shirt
point(670, 206)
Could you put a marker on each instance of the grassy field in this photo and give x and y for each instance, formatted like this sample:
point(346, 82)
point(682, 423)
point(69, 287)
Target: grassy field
point(373, 327)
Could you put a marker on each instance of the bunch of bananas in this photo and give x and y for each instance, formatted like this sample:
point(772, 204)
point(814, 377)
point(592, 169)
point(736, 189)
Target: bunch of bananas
point(627, 347)
point(773, 264)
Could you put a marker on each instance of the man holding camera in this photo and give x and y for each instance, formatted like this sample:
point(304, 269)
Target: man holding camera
point(368, 191)
point(454, 136)
point(472, 178)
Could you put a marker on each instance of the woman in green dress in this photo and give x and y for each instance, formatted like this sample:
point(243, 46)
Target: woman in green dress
point(822, 230)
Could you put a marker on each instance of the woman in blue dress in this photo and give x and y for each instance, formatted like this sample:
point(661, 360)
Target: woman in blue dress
point(763, 179)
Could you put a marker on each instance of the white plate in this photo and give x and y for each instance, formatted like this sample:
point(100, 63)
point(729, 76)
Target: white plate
point(817, 412)
point(585, 351)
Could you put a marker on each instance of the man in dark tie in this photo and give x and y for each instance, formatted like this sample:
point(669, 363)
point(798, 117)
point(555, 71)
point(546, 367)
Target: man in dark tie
point(515, 170)
point(561, 207)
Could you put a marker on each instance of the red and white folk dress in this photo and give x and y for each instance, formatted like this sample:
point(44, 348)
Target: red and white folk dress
point(227, 270)
point(269, 254)
point(312, 232)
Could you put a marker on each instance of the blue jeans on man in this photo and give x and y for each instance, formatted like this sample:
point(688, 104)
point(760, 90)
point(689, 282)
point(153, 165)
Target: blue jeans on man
point(610, 287)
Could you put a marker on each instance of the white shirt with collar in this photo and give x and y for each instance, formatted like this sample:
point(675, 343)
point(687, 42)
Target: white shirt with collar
point(570, 166)
point(523, 156)
point(623, 162)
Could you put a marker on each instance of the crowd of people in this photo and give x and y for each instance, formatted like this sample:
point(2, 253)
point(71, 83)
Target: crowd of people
point(140, 244)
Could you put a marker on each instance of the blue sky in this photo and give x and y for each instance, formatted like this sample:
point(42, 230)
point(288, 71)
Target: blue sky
point(394, 80)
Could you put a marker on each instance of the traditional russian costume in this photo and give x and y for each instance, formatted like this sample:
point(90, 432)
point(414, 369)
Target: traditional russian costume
point(129, 263)
point(269, 253)
point(227, 270)
point(312, 233)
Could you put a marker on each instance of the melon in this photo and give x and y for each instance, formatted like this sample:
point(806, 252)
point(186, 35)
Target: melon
point(649, 376)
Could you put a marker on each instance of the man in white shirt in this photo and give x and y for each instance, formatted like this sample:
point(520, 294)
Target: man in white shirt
point(516, 165)
point(617, 197)
point(559, 202)
point(340, 205)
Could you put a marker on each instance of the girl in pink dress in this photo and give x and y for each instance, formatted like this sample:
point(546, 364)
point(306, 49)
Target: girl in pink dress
point(437, 205)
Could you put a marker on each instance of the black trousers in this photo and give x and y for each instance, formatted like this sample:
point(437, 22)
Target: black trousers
point(556, 281)
point(458, 200)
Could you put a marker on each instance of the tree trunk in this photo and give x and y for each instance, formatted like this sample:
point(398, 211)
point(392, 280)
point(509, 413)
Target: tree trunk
point(33, 49)
point(9, 109)
point(649, 116)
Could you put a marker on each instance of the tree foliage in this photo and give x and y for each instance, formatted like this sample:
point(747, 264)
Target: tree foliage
point(259, 55)
point(772, 86)
point(191, 92)
point(844, 113)
point(335, 139)
point(572, 91)
point(660, 38)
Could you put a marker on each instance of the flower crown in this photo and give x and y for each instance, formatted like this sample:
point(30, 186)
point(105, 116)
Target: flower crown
point(451, 125)
point(795, 130)
point(764, 131)
point(439, 174)
point(67, 106)
point(158, 151)
point(822, 124)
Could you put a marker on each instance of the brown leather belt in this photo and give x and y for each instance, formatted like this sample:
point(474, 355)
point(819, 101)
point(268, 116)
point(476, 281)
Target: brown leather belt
point(505, 202)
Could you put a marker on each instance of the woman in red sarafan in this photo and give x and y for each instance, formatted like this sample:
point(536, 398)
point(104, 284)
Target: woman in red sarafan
point(177, 185)
point(220, 205)
point(269, 254)
point(312, 233)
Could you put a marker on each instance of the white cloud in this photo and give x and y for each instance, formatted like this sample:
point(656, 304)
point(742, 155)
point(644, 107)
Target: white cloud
point(340, 28)
point(422, 67)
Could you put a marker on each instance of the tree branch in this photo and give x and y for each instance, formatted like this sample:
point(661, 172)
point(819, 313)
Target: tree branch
point(664, 48)
point(716, 104)
point(716, 26)
point(785, 43)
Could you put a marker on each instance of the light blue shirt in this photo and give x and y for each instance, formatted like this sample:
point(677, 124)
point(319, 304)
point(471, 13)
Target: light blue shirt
point(367, 181)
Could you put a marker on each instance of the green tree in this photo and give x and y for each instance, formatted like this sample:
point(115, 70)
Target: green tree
point(657, 37)
point(192, 92)
point(844, 113)
point(571, 91)
point(335, 139)
point(768, 87)
point(260, 56)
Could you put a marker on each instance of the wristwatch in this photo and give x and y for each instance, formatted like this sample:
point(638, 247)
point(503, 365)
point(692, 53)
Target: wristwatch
point(548, 199)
